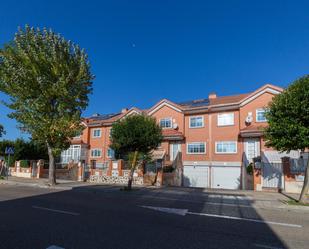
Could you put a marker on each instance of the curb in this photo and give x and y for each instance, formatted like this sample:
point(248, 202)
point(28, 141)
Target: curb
point(37, 185)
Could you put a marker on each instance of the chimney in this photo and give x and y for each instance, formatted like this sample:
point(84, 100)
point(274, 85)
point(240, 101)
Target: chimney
point(124, 110)
point(212, 95)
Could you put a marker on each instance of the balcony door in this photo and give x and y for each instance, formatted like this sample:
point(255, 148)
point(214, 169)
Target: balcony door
point(175, 147)
point(252, 148)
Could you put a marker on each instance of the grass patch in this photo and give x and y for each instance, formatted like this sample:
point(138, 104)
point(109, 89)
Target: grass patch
point(297, 203)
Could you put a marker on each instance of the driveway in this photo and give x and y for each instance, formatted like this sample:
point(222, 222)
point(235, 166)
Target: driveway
point(105, 217)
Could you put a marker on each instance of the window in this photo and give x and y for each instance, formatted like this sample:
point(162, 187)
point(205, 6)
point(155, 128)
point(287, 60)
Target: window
point(196, 148)
point(96, 133)
point(110, 153)
point(260, 115)
point(196, 122)
point(226, 147)
point(96, 153)
point(225, 119)
point(72, 153)
point(166, 123)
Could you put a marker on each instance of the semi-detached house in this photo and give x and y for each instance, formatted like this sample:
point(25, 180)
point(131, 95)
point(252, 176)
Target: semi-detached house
point(217, 136)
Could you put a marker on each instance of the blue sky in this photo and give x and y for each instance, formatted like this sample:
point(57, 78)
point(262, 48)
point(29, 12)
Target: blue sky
point(143, 51)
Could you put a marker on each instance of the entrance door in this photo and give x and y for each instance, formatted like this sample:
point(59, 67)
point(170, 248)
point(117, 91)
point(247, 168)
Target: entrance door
point(174, 149)
point(252, 148)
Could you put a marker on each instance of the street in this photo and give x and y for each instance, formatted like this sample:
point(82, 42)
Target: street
point(92, 217)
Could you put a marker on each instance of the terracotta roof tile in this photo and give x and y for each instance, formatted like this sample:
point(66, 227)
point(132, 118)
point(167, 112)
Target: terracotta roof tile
point(171, 133)
point(228, 99)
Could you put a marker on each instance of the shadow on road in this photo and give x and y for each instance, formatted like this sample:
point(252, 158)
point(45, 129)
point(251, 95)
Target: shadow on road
point(104, 217)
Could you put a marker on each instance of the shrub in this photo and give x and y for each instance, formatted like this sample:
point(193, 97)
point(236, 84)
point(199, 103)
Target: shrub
point(24, 163)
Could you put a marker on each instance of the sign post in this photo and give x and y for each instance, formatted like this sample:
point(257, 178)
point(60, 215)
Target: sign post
point(8, 151)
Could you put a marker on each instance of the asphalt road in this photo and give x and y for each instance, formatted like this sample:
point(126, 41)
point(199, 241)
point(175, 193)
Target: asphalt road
point(107, 218)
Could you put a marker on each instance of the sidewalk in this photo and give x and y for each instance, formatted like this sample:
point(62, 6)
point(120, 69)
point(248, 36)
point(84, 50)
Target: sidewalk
point(42, 183)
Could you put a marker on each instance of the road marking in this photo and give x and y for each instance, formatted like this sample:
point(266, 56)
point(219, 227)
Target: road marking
point(55, 247)
point(266, 246)
point(56, 210)
point(193, 201)
point(184, 212)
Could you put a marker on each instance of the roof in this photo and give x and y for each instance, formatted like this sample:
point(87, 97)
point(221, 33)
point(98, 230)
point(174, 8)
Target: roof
point(234, 99)
point(157, 154)
point(194, 103)
point(252, 131)
point(275, 156)
point(171, 133)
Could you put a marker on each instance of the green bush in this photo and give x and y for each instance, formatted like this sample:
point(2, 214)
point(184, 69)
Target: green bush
point(250, 169)
point(24, 163)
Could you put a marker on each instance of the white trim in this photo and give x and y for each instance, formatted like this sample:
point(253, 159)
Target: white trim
point(268, 89)
point(256, 112)
point(196, 127)
point(213, 163)
point(98, 149)
point(224, 113)
point(96, 129)
point(170, 118)
point(197, 153)
point(217, 152)
point(164, 103)
point(130, 112)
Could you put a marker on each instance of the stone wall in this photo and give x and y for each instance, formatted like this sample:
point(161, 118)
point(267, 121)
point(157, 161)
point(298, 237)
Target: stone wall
point(105, 179)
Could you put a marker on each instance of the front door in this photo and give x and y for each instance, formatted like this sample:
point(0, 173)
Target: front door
point(252, 148)
point(175, 147)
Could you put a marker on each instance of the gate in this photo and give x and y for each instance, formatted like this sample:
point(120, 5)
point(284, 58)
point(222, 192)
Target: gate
point(272, 175)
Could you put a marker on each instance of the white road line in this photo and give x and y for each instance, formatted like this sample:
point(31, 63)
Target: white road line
point(184, 212)
point(193, 201)
point(56, 210)
point(266, 246)
point(246, 219)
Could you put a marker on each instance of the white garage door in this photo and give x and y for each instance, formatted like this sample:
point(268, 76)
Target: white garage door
point(195, 176)
point(225, 177)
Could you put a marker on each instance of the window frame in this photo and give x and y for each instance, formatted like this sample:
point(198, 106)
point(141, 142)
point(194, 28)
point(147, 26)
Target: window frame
point(256, 115)
point(226, 113)
point(107, 153)
point(196, 153)
point(96, 149)
point(196, 127)
point(219, 152)
point(93, 131)
point(168, 118)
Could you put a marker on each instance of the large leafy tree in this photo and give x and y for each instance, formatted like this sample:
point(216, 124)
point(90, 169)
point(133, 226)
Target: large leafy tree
point(288, 118)
point(48, 80)
point(134, 138)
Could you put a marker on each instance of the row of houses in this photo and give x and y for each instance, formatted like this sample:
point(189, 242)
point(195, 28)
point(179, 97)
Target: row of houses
point(215, 138)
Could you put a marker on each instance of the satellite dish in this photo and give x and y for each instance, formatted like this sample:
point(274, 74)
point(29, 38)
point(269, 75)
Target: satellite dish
point(249, 119)
point(175, 126)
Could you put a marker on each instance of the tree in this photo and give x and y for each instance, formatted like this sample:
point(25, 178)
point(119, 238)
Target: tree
point(134, 138)
point(24, 150)
point(288, 118)
point(48, 80)
point(2, 131)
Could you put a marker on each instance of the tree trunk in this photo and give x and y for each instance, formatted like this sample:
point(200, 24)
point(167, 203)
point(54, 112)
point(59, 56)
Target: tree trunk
point(52, 168)
point(133, 165)
point(304, 191)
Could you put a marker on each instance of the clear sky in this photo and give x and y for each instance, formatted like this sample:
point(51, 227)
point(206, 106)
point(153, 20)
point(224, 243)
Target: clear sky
point(143, 51)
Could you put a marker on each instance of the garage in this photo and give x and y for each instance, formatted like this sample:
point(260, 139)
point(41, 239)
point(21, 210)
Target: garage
point(225, 177)
point(195, 176)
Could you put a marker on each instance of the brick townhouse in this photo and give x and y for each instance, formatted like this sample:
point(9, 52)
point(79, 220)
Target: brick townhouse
point(217, 136)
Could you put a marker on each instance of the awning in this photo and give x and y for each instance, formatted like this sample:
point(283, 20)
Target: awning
point(157, 154)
